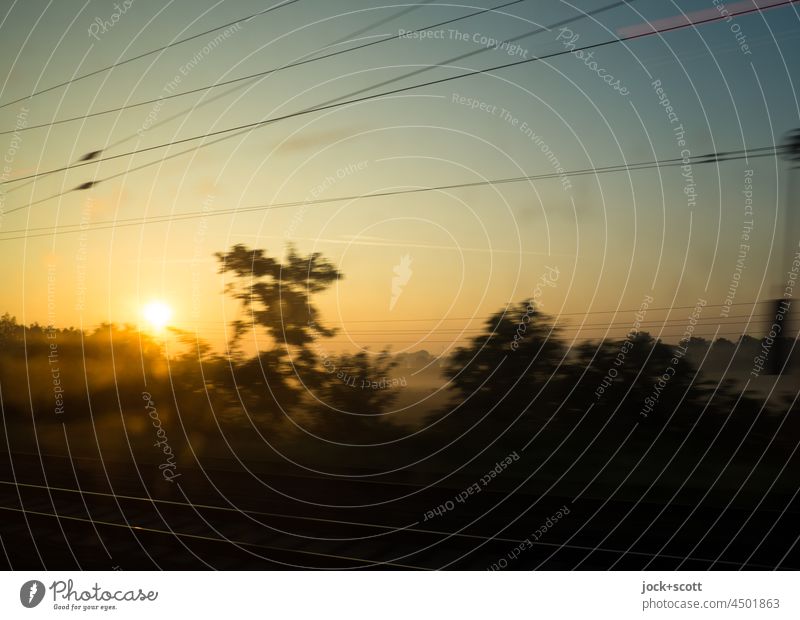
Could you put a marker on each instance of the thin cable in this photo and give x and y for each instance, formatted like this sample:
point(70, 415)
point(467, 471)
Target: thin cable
point(242, 129)
point(654, 322)
point(232, 132)
point(252, 76)
point(145, 54)
point(219, 96)
point(766, 151)
point(227, 541)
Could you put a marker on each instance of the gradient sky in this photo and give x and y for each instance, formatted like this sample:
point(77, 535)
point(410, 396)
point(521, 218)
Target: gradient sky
point(614, 237)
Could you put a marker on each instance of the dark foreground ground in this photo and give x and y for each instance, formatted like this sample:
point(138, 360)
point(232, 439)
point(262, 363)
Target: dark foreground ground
point(60, 513)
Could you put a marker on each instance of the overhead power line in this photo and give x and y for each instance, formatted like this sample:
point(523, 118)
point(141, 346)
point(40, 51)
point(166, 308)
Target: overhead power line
point(471, 333)
point(613, 325)
point(94, 154)
point(646, 326)
point(241, 82)
point(306, 59)
point(232, 132)
point(619, 324)
point(559, 315)
point(145, 54)
point(766, 151)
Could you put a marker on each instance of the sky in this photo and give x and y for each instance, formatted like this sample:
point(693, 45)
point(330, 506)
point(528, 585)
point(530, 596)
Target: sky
point(579, 245)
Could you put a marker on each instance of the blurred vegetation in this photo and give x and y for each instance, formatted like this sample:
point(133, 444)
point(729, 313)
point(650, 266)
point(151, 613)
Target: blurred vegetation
point(299, 399)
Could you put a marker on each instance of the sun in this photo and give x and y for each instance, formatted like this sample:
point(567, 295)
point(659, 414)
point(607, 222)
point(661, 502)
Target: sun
point(158, 314)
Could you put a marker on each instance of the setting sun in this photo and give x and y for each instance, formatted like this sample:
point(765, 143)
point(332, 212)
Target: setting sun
point(158, 314)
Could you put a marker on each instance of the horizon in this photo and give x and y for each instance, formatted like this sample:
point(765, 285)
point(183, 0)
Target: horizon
point(348, 151)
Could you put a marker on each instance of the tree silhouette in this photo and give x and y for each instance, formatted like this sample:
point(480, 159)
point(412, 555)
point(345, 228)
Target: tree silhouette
point(277, 296)
point(296, 374)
